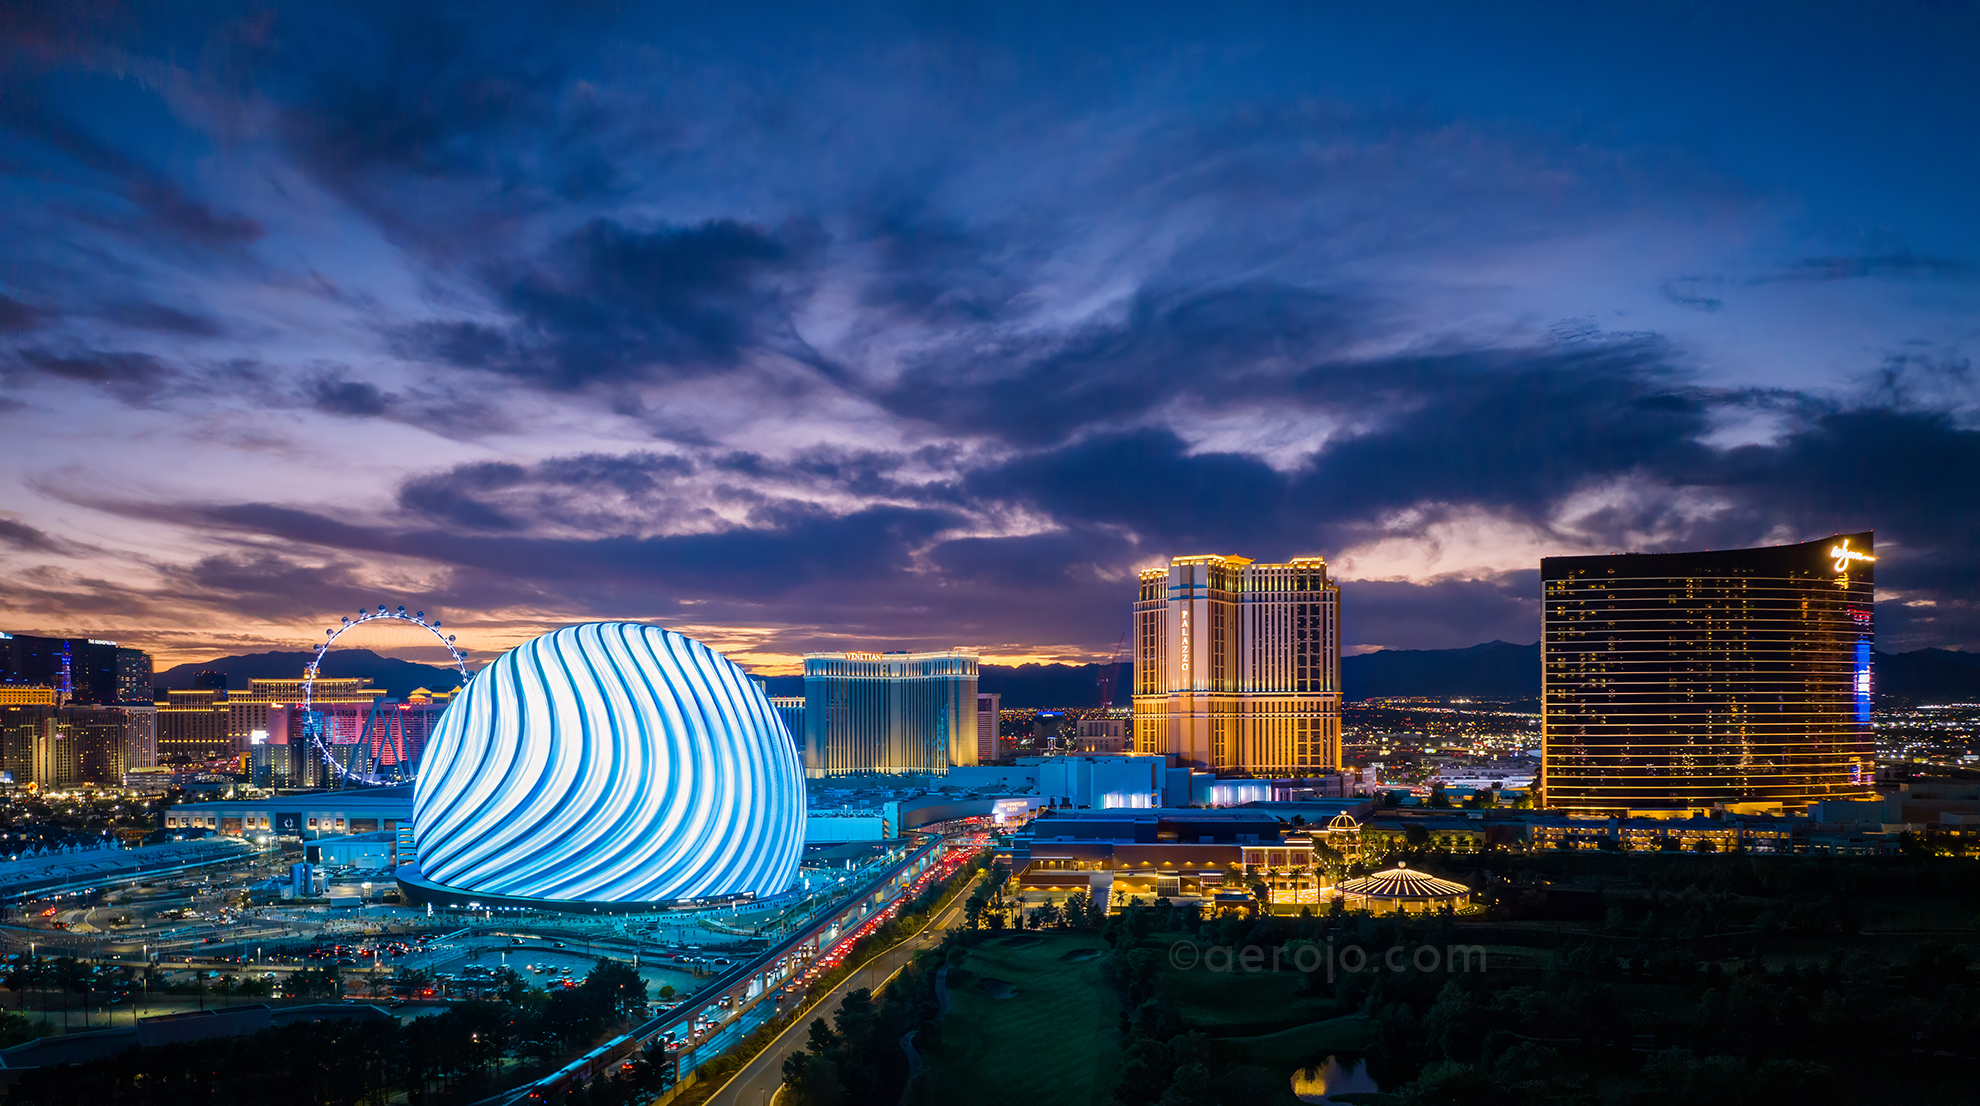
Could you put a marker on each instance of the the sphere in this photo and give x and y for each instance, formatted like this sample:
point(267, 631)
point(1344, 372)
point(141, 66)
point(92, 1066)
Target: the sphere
point(611, 763)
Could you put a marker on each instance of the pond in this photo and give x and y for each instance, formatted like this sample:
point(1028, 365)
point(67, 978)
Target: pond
point(1321, 1082)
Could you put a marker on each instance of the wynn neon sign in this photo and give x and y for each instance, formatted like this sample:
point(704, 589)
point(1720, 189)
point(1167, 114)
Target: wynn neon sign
point(1844, 554)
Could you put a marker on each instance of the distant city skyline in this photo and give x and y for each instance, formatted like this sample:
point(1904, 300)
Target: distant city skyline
point(903, 329)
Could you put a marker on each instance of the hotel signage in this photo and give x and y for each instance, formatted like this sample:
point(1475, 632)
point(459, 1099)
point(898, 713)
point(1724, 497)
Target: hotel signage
point(1185, 644)
point(1844, 554)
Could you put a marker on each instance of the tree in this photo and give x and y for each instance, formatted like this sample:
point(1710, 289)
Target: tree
point(511, 987)
point(409, 981)
point(615, 988)
point(313, 982)
point(1078, 910)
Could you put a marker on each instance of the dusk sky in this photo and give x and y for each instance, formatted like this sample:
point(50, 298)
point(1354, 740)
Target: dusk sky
point(894, 327)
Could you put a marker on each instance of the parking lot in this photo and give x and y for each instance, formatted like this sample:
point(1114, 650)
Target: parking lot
point(218, 937)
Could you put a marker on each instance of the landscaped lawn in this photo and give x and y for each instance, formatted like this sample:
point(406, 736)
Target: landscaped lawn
point(1240, 1002)
point(1056, 1039)
point(1268, 1060)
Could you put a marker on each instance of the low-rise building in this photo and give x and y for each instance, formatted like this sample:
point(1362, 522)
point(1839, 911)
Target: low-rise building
point(1739, 833)
point(1162, 853)
point(837, 827)
point(1447, 831)
point(307, 815)
point(356, 850)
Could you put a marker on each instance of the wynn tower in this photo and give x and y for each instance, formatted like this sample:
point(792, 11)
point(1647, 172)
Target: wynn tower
point(1737, 676)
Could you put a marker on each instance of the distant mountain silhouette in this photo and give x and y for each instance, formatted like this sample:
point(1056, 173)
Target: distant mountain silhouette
point(1495, 670)
point(397, 677)
point(1024, 685)
point(1502, 670)
point(1927, 676)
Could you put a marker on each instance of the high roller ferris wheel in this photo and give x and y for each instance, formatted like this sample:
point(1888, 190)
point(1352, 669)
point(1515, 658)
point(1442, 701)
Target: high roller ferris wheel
point(357, 766)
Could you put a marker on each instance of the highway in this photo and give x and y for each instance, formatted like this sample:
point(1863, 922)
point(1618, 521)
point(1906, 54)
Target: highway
point(745, 1011)
point(756, 1084)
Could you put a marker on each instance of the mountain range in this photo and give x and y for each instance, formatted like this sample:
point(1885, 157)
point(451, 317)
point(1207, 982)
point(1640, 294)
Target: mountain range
point(1024, 685)
point(1498, 670)
point(396, 676)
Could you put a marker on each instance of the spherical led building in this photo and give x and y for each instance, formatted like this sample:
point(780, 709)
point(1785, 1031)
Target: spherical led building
point(608, 766)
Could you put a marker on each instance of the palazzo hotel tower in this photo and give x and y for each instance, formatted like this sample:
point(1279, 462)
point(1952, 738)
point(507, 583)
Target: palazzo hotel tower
point(1237, 666)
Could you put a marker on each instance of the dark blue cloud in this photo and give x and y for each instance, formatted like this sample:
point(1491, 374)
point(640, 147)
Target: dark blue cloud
point(118, 368)
point(610, 303)
point(16, 316)
point(798, 549)
point(21, 536)
point(1903, 264)
point(162, 206)
point(934, 324)
point(161, 319)
point(355, 398)
point(1511, 429)
point(1147, 482)
point(1216, 345)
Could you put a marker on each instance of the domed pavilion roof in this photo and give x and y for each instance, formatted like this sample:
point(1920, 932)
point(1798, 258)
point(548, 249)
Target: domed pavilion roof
point(1400, 882)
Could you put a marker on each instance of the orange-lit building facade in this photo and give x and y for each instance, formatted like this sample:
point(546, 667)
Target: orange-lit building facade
point(1237, 665)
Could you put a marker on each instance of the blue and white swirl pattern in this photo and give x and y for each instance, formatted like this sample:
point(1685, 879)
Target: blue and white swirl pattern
point(610, 762)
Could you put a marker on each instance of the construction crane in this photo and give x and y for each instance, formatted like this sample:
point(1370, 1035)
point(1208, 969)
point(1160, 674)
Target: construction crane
point(1107, 672)
point(363, 747)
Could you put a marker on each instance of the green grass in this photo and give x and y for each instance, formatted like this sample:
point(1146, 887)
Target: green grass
point(1239, 1002)
point(1301, 1045)
point(1056, 1040)
point(1265, 1063)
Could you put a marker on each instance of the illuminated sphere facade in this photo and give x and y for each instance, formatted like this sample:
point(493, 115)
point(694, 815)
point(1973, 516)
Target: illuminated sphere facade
point(610, 763)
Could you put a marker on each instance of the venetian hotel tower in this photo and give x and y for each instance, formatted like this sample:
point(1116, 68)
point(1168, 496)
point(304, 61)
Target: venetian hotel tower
point(1237, 666)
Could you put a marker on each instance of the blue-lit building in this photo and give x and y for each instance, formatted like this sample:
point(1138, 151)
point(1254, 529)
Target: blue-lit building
point(607, 766)
point(790, 708)
point(889, 712)
point(79, 670)
point(1737, 676)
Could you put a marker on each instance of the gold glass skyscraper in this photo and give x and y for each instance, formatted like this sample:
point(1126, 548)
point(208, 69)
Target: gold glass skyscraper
point(1237, 665)
point(889, 712)
point(1686, 679)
